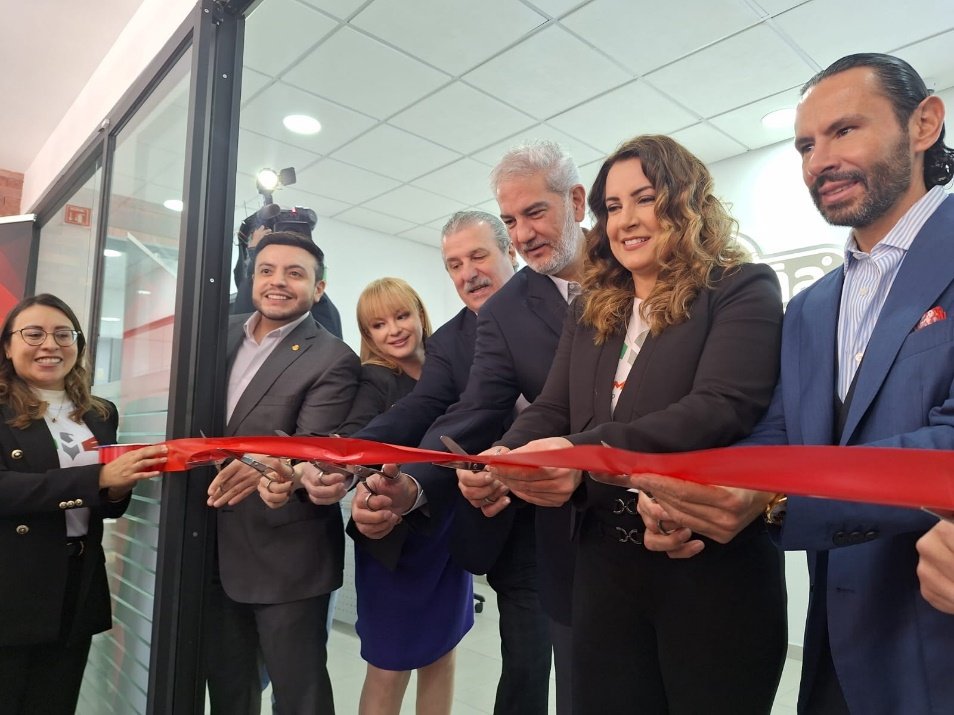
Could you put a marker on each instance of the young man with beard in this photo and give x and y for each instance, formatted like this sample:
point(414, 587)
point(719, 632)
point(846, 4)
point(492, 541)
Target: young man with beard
point(277, 567)
point(867, 359)
point(526, 553)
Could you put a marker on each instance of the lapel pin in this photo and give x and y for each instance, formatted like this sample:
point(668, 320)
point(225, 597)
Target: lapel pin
point(296, 346)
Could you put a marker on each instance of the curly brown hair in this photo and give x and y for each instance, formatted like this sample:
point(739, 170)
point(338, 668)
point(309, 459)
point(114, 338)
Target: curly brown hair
point(14, 391)
point(698, 237)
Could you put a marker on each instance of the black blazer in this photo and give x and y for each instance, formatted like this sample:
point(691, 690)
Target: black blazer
point(702, 383)
point(448, 355)
point(34, 491)
point(518, 329)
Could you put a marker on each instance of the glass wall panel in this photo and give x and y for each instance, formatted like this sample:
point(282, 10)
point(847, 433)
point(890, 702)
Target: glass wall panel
point(66, 259)
point(133, 341)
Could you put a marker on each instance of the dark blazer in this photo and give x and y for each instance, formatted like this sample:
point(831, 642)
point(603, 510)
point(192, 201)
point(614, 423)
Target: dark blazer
point(448, 355)
point(518, 329)
point(380, 388)
point(305, 387)
point(34, 492)
point(891, 649)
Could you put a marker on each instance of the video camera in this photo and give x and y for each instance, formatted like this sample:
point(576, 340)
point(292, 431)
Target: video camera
point(298, 219)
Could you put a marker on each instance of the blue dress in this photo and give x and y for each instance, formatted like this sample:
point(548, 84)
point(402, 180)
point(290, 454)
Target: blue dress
point(415, 605)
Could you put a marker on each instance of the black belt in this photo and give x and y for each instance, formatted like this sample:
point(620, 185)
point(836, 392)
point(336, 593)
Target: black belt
point(76, 546)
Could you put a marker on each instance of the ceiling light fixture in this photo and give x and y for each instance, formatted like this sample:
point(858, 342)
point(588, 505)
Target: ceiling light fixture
point(109, 320)
point(301, 124)
point(112, 253)
point(173, 205)
point(780, 119)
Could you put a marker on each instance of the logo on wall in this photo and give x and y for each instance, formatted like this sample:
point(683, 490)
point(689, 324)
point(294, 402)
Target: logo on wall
point(77, 215)
point(796, 269)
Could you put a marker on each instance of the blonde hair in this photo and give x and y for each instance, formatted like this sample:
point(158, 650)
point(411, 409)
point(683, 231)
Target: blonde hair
point(386, 296)
point(697, 238)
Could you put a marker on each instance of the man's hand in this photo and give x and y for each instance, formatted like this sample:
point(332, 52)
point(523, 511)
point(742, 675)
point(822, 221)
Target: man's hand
point(717, 512)
point(322, 488)
point(543, 486)
point(482, 490)
point(664, 534)
point(377, 512)
point(237, 480)
point(936, 566)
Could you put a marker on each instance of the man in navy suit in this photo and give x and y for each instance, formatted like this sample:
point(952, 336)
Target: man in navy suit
point(873, 157)
point(526, 553)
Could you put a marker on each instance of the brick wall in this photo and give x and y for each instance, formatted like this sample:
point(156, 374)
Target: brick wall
point(11, 188)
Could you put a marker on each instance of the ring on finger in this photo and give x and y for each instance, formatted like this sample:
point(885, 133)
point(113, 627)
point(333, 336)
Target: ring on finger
point(489, 500)
point(367, 502)
point(662, 529)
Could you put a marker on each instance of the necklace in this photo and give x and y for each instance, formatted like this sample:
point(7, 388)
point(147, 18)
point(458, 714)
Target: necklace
point(59, 410)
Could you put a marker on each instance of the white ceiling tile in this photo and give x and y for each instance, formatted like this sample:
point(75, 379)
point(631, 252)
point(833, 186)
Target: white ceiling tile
point(465, 181)
point(252, 82)
point(589, 172)
point(454, 35)
point(395, 153)
point(933, 60)
point(342, 9)
point(462, 117)
point(423, 234)
point(490, 207)
point(357, 71)
point(265, 112)
point(547, 73)
point(284, 30)
point(257, 152)
point(666, 32)
point(775, 7)
point(635, 108)
point(413, 204)
point(708, 143)
point(580, 151)
point(875, 27)
point(751, 65)
point(745, 123)
point(556, 8)
point(372, 219)
point(343, 182)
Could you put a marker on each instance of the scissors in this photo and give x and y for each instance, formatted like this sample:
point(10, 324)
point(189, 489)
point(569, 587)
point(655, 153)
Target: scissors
point(452, 446)
point(357, 472)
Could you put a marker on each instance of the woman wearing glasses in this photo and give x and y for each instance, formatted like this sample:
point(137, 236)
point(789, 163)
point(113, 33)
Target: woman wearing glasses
point(54, 496)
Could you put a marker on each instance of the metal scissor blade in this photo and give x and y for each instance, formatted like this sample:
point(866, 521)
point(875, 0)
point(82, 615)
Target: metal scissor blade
point(452, 446)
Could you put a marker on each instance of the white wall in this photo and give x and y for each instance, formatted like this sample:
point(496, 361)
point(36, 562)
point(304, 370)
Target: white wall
point(138, 44)
point(356, 256)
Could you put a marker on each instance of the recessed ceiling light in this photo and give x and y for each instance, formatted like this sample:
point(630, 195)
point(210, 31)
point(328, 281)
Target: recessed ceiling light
point(173, 204)
point(144, 292)
point(112, 253)
point(779, 119)
point(301, 124)
point(109, 320)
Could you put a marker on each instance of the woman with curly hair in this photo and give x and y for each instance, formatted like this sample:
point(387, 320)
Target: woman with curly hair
point(673, 347)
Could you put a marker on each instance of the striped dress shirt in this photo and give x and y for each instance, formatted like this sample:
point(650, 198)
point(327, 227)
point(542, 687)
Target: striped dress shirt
point(868, 280)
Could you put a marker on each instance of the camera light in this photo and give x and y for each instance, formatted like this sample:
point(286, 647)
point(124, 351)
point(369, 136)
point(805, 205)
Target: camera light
point(301, 124)
point(268, 179)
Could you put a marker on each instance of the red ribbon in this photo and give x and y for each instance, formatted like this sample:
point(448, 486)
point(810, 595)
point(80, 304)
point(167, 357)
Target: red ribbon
point(899, 477)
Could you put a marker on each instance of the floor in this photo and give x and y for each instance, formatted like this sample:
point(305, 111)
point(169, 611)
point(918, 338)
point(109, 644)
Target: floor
point(478, 668)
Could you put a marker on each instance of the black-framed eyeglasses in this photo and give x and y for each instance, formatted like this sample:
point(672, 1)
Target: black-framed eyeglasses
point(37, 336)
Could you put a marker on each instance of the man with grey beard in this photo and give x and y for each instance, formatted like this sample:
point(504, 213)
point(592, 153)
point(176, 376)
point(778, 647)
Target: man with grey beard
point(525, 552)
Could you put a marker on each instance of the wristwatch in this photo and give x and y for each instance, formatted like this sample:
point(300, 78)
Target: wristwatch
point(775, 510)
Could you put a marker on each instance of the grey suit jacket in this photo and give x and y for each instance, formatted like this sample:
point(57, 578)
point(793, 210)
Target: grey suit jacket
point(305, 387)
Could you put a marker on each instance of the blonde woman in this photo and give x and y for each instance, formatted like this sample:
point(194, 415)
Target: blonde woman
point(414, 605)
